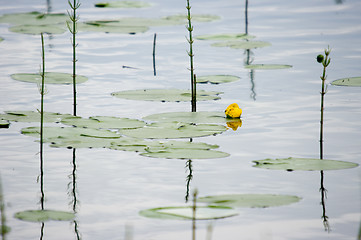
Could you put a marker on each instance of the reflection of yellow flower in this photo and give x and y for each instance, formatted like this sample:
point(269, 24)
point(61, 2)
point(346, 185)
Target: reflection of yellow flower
point(235, 124)
point(233, 111)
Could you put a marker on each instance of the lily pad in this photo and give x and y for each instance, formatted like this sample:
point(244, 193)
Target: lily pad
point(103, 122)
point(34, 18)
point(172, 153)
point(217, 79)
point(242, 44)
point(111, 27)
point(174, 130)
point(123, 4)
point(1, 39)
point(189, 117)
point(267, 66)
point(50, 78)
point(31, 116)
point(37, 29)
point(186, 213)
point(68, 133)
point(303, 164)
point(225, 37)
point(44, 215)
point(4, 124)
point(195, 17)
point(250, 200)
point(350, 82)
point(166, 95)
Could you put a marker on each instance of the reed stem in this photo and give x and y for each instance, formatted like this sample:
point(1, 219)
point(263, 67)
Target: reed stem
point(42, 93)
point(191, 55)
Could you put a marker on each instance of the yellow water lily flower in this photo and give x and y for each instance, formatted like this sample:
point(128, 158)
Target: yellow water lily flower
point(233, 111)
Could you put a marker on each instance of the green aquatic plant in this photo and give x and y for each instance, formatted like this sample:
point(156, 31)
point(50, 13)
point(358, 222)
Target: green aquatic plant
point(325, 61)
point(72, 26)
point(191, 55)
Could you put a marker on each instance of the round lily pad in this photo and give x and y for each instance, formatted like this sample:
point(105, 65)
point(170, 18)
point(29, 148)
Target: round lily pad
point(173, 130)
point(188, 117)
point(195, 17)
point(172, 153)
point(50, 78)
point(350, 82)
point(267, 66)
point(31, 116)
point(44, 215)
point(186, 213)
point(242, 44)
point(37, 29)
point(217, 79)
point(111, 27)
point(122, 4)
point(34, 18)
point(225, 37)
point(303, 164)
point(103, 122)
point(250, 200)
point(166, 95)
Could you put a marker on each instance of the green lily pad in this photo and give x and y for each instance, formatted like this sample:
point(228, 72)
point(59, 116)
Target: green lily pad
point(303, 164)
point(103, 122)
point(186, 213)
point(68, 133)
point(4, 124)
point(166, 95)
point(242, 44)
point(37, 29)
point(44, 215)
point(174, 130)
point(184, 153)
point(267, 66)
point(1, 39)
point(250, 200)
point(31, 116)
point(189, 117)
point(34, 18)
point(350, 82)
point(217, 79)
point(195, 17)
point(225, 37)
point(111, 27)
point(50, 78)
point(123, 4)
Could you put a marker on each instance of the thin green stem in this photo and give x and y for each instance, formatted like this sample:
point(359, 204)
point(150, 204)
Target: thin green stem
point(191, 55)
point(42, 93)
point(194, 209)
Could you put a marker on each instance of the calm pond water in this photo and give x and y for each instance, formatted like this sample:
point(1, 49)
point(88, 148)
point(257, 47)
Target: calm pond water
point(281, 111)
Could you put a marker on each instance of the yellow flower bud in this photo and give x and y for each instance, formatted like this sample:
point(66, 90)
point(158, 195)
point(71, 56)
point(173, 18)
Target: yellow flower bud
point(233, 111)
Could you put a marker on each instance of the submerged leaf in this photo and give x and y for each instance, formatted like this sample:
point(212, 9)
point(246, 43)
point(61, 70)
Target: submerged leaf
point(166, 95)
point(303, 164)
point(267, 66)
point(44, 215)
point(350, 82)
point(242, 44)
point(186, 213)
point(50, 78)
point(217, 79)
point(225, 37)
point(250, 200)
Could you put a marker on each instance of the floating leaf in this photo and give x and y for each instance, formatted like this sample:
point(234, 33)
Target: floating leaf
point(184, 153)
point(31, 116)
point(68, 132)
point(186, 213)
point(250, 200)
point(303, 164)
point(174, 130)
point(111, 27)
point(34, 18)
point(1, 39)
point(225, 37)
point(189, 117)
point(267, 66)
point(217, 79)
point(44, 215)
point(195, 17)
point(103, 122)
point(242, 44)
point(166, 95)
point(50, 78)
point(4, 124)
point(37, 29)
point(122, 4)
point(350, 82)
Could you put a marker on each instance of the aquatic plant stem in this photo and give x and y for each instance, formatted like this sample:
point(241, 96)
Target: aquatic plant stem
point(191, 55)
point(73, 30)
point(194, 208)
point(154, 43)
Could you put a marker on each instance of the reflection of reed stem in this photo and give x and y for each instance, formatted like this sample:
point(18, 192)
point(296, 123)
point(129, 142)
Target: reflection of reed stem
point(191, 55)
point(154, 42)
point(42, 93)
point(323, 191)
point(194, 207)
point(189, 177)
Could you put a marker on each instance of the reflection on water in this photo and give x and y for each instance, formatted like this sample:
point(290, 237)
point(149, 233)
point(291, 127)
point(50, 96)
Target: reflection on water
point(72, 192)
point(189, 178)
